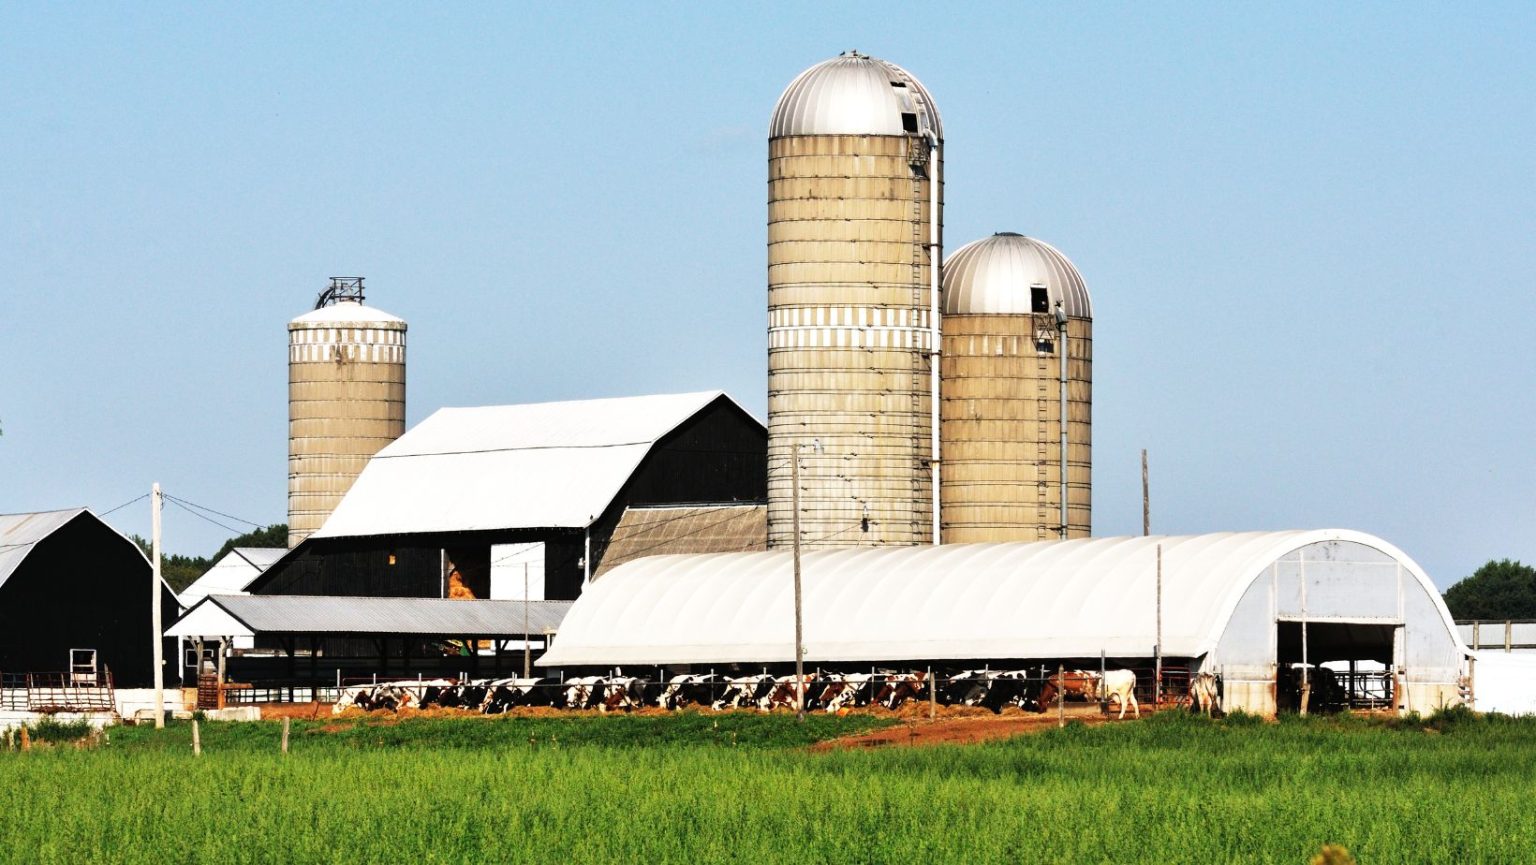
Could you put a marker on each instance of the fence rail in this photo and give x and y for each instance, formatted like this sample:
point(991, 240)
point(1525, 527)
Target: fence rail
point(57, 692)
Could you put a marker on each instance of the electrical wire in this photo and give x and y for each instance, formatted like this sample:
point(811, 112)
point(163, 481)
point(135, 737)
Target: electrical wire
point(181, 501)
point(123, 505)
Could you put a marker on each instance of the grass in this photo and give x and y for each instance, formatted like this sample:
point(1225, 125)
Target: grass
point(738, 787)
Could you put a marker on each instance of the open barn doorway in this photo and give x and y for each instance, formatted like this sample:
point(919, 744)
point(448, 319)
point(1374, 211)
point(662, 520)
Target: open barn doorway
point(1347, 665)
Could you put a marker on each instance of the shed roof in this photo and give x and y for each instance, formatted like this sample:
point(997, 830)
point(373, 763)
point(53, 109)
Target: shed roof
point(1050, 599)
point(541, 465)
point(248, 615)
point(231, 574)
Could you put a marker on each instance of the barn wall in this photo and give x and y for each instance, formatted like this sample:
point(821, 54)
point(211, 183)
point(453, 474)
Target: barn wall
point(1345, 582)
point(83, 587)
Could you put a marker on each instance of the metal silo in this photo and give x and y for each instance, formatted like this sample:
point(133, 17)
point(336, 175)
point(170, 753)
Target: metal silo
point(855, 188)
point(1008, 302)
point(346, 399)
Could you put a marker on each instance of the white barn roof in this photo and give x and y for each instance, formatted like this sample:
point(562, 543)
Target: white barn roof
point(19, 533)
point(1052, 599)
point(542, 465)
point(231, 574)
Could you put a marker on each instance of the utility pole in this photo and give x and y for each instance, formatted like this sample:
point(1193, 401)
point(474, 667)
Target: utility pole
point(154, 606)
point(1146, 498)
point(794, 483)
point(1157, 675)
point(527, 643)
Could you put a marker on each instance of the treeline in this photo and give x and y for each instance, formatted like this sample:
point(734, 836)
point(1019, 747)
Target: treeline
point(180, 571)
point(1501, 589)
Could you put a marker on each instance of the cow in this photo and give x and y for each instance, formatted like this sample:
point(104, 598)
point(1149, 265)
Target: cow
point(743, 690)
point(1120, 686)
point(901, 687)
point(1069, 685)
point(623, 693)
point(687, 689)
point(1203, 693)
point(966, 688)
point(785, 693)
point(584, 692)
point(1012, 688)
point(845, 690)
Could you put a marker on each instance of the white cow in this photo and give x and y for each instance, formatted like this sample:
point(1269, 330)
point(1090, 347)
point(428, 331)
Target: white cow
point(1203, 693)
point(1119, 685)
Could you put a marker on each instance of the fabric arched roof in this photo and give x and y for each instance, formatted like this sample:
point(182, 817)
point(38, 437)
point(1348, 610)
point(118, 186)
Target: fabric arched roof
point(1049, 599)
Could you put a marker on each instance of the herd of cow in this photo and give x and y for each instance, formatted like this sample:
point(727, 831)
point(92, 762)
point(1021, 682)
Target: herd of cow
point(828, 692)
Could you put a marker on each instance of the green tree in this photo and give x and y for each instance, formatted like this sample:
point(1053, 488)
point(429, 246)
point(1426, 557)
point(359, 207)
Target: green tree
point(1502, 589)
point(275, 535)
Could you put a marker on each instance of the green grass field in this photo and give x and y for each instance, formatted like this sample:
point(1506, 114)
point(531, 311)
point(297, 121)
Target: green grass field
point(742, 788)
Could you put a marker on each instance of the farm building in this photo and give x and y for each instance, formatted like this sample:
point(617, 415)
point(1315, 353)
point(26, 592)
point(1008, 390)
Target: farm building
point(481, 491)
point(74, 597)
point(1247, 606)
point(231, 574)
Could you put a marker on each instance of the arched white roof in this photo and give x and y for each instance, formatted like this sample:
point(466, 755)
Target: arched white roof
point(347, 312)
point(853, 94)
point(1050, 599)
point(993, 276)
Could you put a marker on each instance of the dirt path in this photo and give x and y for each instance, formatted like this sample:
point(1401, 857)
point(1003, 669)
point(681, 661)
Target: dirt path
point(965, 730)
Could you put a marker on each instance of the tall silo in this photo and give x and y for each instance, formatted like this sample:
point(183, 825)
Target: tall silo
point(855, 189)
point(1008, 302)
point(346, 399)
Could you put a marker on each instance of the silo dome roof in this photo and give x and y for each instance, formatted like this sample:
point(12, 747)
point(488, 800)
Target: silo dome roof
point(994, 275)
point(852, 94)
point(347, 312)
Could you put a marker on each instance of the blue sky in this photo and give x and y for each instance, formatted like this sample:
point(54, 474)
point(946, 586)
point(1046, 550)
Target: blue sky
point(1307, 230)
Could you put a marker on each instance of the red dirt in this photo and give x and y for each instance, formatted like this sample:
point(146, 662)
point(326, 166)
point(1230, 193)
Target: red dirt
point(962, 729)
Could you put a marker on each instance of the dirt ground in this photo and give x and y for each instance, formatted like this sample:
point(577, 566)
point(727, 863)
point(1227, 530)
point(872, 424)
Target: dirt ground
point(953, 724)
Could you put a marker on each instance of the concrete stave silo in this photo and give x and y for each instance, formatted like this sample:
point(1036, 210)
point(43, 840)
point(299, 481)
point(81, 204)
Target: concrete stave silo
point(854, 224)
point(346, 399)
point(1002, 393)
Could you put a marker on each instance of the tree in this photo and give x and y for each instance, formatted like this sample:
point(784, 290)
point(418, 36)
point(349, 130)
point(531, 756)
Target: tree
point(275, 535)
point(1502, 589)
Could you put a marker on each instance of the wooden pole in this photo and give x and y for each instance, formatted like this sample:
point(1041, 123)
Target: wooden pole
point(1306, 679)
point(1157, 672)
point(154, 606)
point(794, 483)
point(197, 740)
point(219, 684)
point(527, 643)
point(933, 696)
point(1146, 498)
point(26, 739)
point(1061, 706)
point(285, 734)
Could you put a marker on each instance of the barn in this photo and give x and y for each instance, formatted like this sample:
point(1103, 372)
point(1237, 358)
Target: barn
point(74, 598)
point(483, 491)
point(1252, 607)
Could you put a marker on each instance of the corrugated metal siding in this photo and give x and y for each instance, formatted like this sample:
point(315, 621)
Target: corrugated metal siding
point(661, 531)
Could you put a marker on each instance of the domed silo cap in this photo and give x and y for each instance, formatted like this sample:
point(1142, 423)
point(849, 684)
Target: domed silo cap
point(995, 275)
point(347, 312)
point(853, 94)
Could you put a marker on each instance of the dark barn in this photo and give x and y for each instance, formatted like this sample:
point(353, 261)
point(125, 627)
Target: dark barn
point(69, 581)
point(560, 475)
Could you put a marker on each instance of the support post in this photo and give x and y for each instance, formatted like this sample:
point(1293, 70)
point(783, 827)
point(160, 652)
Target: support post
point(1061, 706)
point(197, 740)
point(794, 483)
point(933, 696)
point(527, 643)
point(219, 682)
point(154, 606)
point(1146, 498)
point(1306, 679)
point(1157, 669)
point(286, 722)
point(1061, 327)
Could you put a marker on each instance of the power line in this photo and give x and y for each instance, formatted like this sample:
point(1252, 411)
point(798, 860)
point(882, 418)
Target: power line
point(212, 511)
point(124, 505)
point(177, 503)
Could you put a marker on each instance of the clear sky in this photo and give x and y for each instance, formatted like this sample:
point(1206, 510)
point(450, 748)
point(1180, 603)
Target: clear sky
point(1307, 229)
